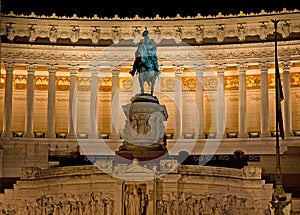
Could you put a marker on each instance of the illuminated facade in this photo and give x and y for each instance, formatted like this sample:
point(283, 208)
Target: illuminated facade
point(64, 80)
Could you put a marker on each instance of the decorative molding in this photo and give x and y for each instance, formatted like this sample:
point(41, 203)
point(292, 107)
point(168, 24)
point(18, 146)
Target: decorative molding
point(231, 82)
point(238, 27)
point(252, 82)
point(189, 83)
point(125, 84)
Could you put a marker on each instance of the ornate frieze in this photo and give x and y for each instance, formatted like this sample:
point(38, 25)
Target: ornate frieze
point(117, 29)
point(2, 81)
point(20, 82)
point(84, 83)
point(105, 84)
point(210, 83)
point(63, 83)
point(231, 82)
point(125, 84)
point(295, 79)
point(167, 84)
point(253, 82)
point(41, 82)
point(189, 83)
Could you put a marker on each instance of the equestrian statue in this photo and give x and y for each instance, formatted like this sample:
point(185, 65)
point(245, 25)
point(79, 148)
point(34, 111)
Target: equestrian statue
point(145, 63)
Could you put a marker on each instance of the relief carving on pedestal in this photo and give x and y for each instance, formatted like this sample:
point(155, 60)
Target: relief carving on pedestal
point(64, 204)
point(188, 203)
point(135, 200)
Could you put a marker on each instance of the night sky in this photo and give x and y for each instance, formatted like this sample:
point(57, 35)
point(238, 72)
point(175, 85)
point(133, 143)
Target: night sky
point(108, 8)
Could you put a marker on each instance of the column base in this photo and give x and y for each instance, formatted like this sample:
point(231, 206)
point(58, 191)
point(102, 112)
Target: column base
point(243, 135)
point(201, 136)
point(220, 136)
point(50, 136)
point(178, 136)
point(71, 136)
point(265, 135)
point(6, 134)
point(93, 136)
point(114, 137)
point(28, 135)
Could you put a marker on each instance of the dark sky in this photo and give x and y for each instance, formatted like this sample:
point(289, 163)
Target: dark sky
point(124, 8)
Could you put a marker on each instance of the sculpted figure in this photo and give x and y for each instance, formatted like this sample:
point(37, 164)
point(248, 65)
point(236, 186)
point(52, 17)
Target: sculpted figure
point(146, 63)
point(53, 34)
point(133, 203)
point(10, 32)
point(31, 33)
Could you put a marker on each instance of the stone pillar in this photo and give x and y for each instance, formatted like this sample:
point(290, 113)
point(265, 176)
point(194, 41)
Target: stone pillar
point(221, 116)
point(199, 100)
point(72, 102)
point(115, 104)
point(286, 66)
point(93, 134)
point(264, 105)
point(242, 101)
point(9, 68)
point(29, 102)
point(51, 102)
point(178, 102)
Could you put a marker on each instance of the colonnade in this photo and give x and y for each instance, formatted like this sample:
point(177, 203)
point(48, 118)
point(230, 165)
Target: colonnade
point(178, 71)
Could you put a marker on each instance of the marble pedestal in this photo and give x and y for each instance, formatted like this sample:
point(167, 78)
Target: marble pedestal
point(144, 133)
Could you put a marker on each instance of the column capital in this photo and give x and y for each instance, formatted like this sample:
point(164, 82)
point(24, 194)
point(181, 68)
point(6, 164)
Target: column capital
point(264, 66)
point(286, 66)
point(94, 70)
point(31, 68)
point(52, 69)
point(115, 71)
point(242, 67)
point(221, 68)
point(73, 69)
point(9, 67)
point(199, 69)
point(178, 69)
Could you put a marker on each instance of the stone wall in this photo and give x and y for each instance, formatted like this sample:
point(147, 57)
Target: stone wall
point(184, 190)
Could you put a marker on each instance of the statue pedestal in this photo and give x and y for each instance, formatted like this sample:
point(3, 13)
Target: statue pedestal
point(144, 132)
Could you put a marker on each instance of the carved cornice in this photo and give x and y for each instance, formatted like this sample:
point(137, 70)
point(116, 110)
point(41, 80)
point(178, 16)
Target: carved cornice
point(217, 29)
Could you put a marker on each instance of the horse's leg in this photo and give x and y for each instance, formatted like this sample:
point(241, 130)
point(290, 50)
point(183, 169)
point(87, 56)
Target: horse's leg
point(153, 79)
point(141, 81)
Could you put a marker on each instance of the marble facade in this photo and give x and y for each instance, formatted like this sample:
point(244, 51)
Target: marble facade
point(217, 83)
point(182, 190)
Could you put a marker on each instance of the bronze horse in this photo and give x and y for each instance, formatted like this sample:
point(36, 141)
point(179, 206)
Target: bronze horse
point(146, 63)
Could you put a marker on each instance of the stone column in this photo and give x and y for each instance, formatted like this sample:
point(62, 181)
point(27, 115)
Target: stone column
point(93, 134)
point(51, 102)
point(72, 102)
point(199, 100)
point(264, 105)
point(221, 116)
point(9, 68)
point(286, 66)
point(29, 102)
point(178, 102)
point(242, 101)
point(115, 104)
